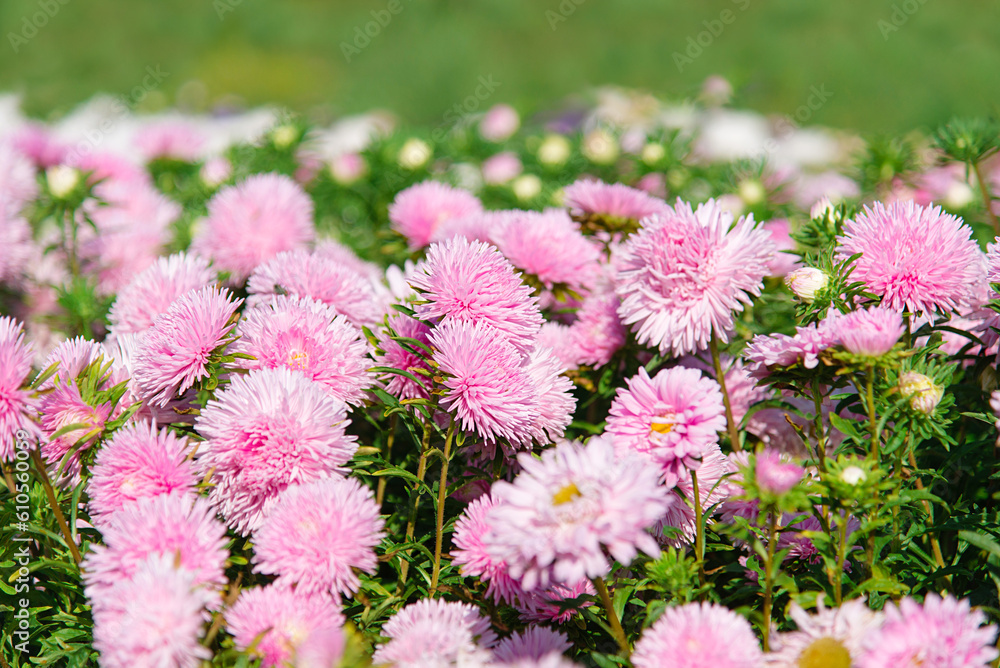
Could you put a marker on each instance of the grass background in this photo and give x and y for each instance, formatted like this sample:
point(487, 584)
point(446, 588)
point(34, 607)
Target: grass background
point(944, 60)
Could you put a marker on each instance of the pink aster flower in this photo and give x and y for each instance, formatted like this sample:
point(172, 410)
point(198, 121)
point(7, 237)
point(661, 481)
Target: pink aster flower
point(17, 406)
point(279, 621)
point(775, 474)
point(71, 357)
point(307, 336)
point(38, 143)
point(698, 635)
point(253, 221)
point(468, 281)
point(175, 351)
point(743, 389)
point(532, 643)
point(471, 555)
point(499, 122)
point(765, 352)
point(433, 632)
point(474, 227)
point(548, 245)
point(177, 525)
point(596, 198)
point(171, 140)
point(781, 263)
point(315, 275)
point(124, 351)
point(138, 462)
point(63, 407)
point(417, 211)
point(152, 291)
point(557, 337)
point(831, 637)
point(714, 488)
point(685, 272)
point(154, 618)
point(916, 258)
point(943, 632)
point(553, 394)
point(598, 332)
point(553, 523)
point(671, 419)
point(18, 248)
point(487, 390)
point(871, 332)
point(394, 355)
point(501, 168)
point(317, 534)
point(549, 605)
point(18, 184)
point(266, 431)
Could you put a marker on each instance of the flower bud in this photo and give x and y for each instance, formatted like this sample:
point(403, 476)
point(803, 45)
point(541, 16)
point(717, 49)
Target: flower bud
point(806, 282)
point(776, 476)
point(923, 393)
point(215, 172)
point(554, 151)
point(284, 136)
point(414, 154)
point(752, 191)
point(499, 123)
point(600, 147)
point(62, 180)
point(652, 153)
point(527, 187)
point(347, 168)
point(853, 475)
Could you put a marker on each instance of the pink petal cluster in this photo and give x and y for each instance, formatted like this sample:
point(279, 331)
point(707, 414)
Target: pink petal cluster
point(170, 140)
point(765, 351)
point(17, 406)
point(831, 635)
point(870, 332)
point(775, 474)
point(698, 635)
point(394, 355)
point(433, 632)
point(419, 210)
point(592, 197)
point(59, 409)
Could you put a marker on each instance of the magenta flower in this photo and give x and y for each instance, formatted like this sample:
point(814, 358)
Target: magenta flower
point(336, 284)
point(307, 336)
point(468, 281)
point(943, 632)
point(591, 197)
point(17, 406)
point(916, 258)
point(553, 523)
point(251, 222)
point(175, 351)
point(419, 210)
point(698, 635)
point(775, 474)
point(266, 431)
point(534, 642)
point(685, 272)
point(138, 462)
point(433, 632)
point(317, 534)
point(872, 332)
point(279, 621)
point(152, 291)
point(670, 420)
point(178, 525)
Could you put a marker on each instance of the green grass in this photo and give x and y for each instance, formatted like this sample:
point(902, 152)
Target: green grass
point(945, 60)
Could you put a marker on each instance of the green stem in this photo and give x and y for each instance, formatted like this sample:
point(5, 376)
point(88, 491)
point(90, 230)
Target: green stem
point(907, 335)
point(987, 198)
point(411, 521)
point(772, 546)
point(699, 533)
point(818, 427)
point(720, 377)
point(442, 495)
point(872, 424)
point(838, 582)
point(60, 518)
point(616, 626)
point(389, 439)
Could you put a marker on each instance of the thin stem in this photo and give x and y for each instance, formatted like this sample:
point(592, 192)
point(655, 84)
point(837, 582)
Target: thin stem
point(720, 377)
point(987, 198)
point(838, 582)
point(872, 424)
point(218, 618)
point(907, 335)
point(616, 626)
point(772, 546)
point(10, 481)
point(389, 439)
point(818, 427)
point(442, 495)
point(411, 521)
point(699, 534)
point(935, 544)
point(60, 518)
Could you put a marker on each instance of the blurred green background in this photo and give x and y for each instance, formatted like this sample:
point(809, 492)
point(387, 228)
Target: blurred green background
point(943, 60)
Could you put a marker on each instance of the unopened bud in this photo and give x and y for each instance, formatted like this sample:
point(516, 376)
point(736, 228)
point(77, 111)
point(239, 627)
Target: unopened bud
point(806, 282)
point(414, 154)
point(923, 393)
point(853, 475)
point(62, 180)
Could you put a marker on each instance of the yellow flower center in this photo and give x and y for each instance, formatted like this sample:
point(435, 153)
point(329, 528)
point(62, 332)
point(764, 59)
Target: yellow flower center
point(297, 360)
point(565, 495)
point(662, 427)
point(825, 653)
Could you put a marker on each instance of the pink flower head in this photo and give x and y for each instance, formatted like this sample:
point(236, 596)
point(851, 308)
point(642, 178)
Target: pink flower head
point(782, 262)
point(943, 632)
point(417, 211)
point(534, 642)
point(251, 222)
point(395, 356)
point(487, 389)
point(38, 143)
point(831, 637)
point(698, 635)
point(553, 392)
point(598, 332)
point(279, 621)
point(474, 227)
point(315, 275)
point(473, 558)
point(178, 525)
point(317, 534)
point(590, 197)
point(871, 332)
point(268, 430)
point(499, 123)
point(172, 140)
point(16, 405)
point(152, 291)
point(553, 523)
point(124, 351)
point(156, 617)
point(775, 474)
point(138, 462)
point(685, 272)
point(671, 419)
point(549, 246)
point(61, 408)
point(18, 184)
point(433, 632)
point(18, 248)
point(307, 336)
point(175, 351)
point(468, 281)
point(541, 606)
point(501, 168)
point(916, 258)
point(765, 352)
point(714, 488)
point(71, 357)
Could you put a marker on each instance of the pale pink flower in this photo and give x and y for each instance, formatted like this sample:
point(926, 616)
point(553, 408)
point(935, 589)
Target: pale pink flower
point(766, 352)
point(534, 642)
point(432, 632)
point(775, 474)
point(395, 356)
point(698, 635)
point(598, 332)
point(417, 211)
point(832, 636)
point(473, 558)
point(170, 140)
point(541, 606)
point(499, 122)
point(781, 262)
point(501, 168)
point(18, 249)
point(17, 405)
point(60, 408)
point(870, 332)
point(591, 197)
